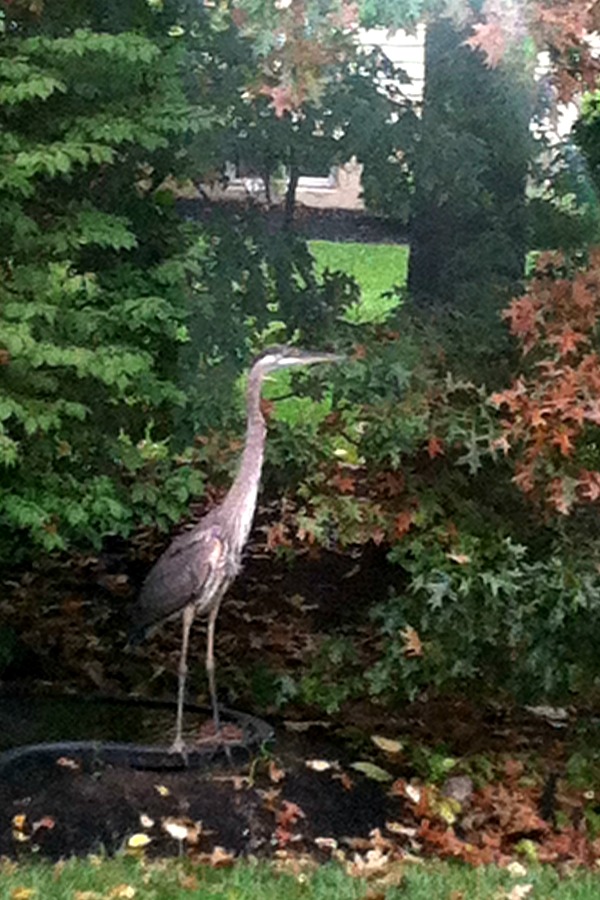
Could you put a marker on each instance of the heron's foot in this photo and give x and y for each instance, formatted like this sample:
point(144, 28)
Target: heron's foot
point(178, 746)
point(219, 735)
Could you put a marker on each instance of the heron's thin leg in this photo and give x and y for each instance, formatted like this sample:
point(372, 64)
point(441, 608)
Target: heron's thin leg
point(210, 665)
point(188, 618)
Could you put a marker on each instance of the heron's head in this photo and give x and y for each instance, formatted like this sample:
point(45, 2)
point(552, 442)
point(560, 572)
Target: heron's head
point(282, 357)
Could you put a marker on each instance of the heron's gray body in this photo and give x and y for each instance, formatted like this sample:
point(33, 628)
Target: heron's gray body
point(197, 568)
point(199, 565)
point(194, 568)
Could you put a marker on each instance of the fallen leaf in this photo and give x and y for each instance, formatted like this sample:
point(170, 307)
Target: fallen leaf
point(375, 773)
point(162, 790)
point(289, 814)
point(461, 558)
point(447, 809)
point(403, 522)
point(435, 447)
point(513, 768)
point(87, 895)
point(399, 828)
point(318, 765)
point(552, 713)
point(345, 780)
point(22, 893)
point(182, 829)
point(175, 830)
point(220, 858)
point(19, 821)
point(67, 763)
point(412, 642)
point(20, 836)
point(387, 744)
point(326, 843)
point(516, 869)
point(413, 793)
point(345, 483)
point(276, 774)
point(137, 841)
point(519, 892)
point(146, 821)
point(45, 822)
point(122, 892)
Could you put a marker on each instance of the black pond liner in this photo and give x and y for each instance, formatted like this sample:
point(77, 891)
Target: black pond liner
point(89, 756)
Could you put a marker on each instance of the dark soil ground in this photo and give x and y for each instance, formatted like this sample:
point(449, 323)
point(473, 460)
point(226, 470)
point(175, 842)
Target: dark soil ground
point(68, 808)
point(305, 795)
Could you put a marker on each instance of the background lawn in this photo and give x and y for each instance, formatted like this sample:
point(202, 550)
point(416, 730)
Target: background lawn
point(377, 268)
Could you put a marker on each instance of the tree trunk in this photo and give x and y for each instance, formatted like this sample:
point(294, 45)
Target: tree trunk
point(290, 197)
point(468, 230)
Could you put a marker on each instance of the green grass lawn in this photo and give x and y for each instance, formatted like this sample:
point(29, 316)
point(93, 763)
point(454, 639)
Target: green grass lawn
point(126, 878)
point(377, 268)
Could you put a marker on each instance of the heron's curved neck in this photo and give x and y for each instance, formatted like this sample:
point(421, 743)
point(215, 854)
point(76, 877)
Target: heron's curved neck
point(240, 502)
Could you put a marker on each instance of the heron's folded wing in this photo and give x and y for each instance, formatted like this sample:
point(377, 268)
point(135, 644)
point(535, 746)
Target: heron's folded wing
point(176, 579)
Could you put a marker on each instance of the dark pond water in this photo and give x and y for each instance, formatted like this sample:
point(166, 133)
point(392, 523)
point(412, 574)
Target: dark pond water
point(33, 720)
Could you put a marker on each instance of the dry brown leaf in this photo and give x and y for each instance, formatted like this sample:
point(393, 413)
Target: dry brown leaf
point(188, 882)
point(276, 773)
point(221, 859)
point(270, 798)
point(513, 768)
point(345, 780)
point(22, 893)
point(412, 642)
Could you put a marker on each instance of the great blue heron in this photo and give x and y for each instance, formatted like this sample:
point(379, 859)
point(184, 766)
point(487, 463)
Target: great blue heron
point(196, 569)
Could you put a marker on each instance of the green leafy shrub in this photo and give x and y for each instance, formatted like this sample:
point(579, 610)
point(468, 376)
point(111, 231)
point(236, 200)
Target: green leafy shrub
point(95, 272)
point(496, 596)
point(489, 614)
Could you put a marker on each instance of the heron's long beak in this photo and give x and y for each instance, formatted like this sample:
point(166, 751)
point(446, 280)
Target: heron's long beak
point(309, 357)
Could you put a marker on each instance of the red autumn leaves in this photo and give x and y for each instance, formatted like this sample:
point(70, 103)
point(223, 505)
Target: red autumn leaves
point(552, 410)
